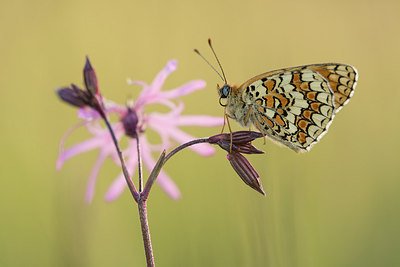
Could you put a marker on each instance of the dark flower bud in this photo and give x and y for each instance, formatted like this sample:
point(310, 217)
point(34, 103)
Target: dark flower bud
point(245, 171)
point(238, 137)
point(89, 75)
point(241, 142)
point(74, 96)
point(130, 123)
point(247, 148)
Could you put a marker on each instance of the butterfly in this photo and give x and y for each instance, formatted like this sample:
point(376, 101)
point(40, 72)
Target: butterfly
point(292, 106)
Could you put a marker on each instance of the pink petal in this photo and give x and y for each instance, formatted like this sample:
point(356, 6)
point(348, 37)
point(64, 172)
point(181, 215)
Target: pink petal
point(88, 114)
point(185, 89)
point(78, 149)
point(163, 180)
point(159, 80)
point(119, 184)
point(165, 143)
point(166, 119)
point(68, 133)
point(199, 120)
point(93, 176)
point(112, 107)
point(144, 85)
point(116, 188)
point(174, 113)
point(145, 90)
point(164, 125)
point(168, 186)
point(153, 99)
point(95, 128)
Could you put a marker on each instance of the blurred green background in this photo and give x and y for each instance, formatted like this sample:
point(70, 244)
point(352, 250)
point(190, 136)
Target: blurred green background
point(335, 206)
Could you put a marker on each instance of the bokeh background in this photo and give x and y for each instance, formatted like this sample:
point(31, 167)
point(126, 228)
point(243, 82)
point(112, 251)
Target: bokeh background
point(335, 206)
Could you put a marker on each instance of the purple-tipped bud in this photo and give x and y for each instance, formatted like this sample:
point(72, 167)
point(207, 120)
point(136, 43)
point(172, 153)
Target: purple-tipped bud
point(239, 137)
point(130, 122)
point(245, 171)
point(89, 75)
point(241, 142)
point(74, 96)
point(247, 148)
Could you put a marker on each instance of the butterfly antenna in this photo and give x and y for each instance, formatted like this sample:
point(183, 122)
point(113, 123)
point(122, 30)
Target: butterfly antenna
point(197, 51)
point(219, 63)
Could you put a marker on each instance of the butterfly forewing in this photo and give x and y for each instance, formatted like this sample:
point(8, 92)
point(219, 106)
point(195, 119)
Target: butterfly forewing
point(295, 106)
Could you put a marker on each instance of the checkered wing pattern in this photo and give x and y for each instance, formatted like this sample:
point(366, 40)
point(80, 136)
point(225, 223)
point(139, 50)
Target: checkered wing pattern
point(295, 106)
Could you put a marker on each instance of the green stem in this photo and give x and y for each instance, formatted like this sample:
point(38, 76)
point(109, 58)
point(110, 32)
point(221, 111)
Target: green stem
point(146, 232)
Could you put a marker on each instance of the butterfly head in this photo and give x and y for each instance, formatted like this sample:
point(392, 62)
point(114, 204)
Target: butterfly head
point(224, 92)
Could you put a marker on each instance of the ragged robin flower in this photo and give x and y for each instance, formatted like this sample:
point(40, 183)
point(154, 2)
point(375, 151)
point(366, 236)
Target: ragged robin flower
point(133, 121)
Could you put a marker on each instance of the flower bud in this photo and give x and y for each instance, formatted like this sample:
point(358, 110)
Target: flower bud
point(238, 137)
point(241, 141)
point(89, 75)
point(130, 123)
point(245, 171)
point(74, 96)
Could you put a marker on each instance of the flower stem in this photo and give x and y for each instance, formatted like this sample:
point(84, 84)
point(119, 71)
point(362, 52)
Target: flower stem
point(139, 165)
point(153, 176)
point(131, 186)
point(146, 232)
point(183, 146)
point(148, 249)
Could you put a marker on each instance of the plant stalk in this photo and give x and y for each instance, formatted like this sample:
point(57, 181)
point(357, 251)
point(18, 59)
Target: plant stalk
point(146, 232)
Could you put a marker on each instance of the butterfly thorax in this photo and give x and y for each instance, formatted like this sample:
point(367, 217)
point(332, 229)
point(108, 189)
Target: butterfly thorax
point(236, 107)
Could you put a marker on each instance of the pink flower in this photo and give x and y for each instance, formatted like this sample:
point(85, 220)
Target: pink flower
point(165, 124)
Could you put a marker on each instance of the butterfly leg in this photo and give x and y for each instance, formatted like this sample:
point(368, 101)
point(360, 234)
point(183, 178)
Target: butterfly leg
point(225, 116)
point(223, 127)
point(246, 118)
point(230, 130)
point(257, 124)
point(247, 115)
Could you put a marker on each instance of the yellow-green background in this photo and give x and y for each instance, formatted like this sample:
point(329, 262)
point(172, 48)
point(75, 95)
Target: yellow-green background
point(335, 206)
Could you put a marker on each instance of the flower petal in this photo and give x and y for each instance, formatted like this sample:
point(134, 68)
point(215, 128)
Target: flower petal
point(68, 133)
point(168, 186)
point(93, 176)
point(88, 114)
point(116, 188)
point(137, 82)
point(152, 99)
point(78, 149)
point(159, 80)
point(185, 89)
point(119, 184)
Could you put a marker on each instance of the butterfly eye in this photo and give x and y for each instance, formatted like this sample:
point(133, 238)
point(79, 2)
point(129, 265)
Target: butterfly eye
point(225, 91)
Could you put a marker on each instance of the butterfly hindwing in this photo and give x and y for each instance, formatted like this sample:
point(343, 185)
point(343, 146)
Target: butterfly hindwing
point(342, 80)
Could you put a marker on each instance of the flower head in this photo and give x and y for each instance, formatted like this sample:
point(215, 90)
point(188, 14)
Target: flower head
point(237, 143)
point(134, 121)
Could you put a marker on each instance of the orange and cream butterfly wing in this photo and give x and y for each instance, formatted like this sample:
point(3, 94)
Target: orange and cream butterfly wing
point(295, 106)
